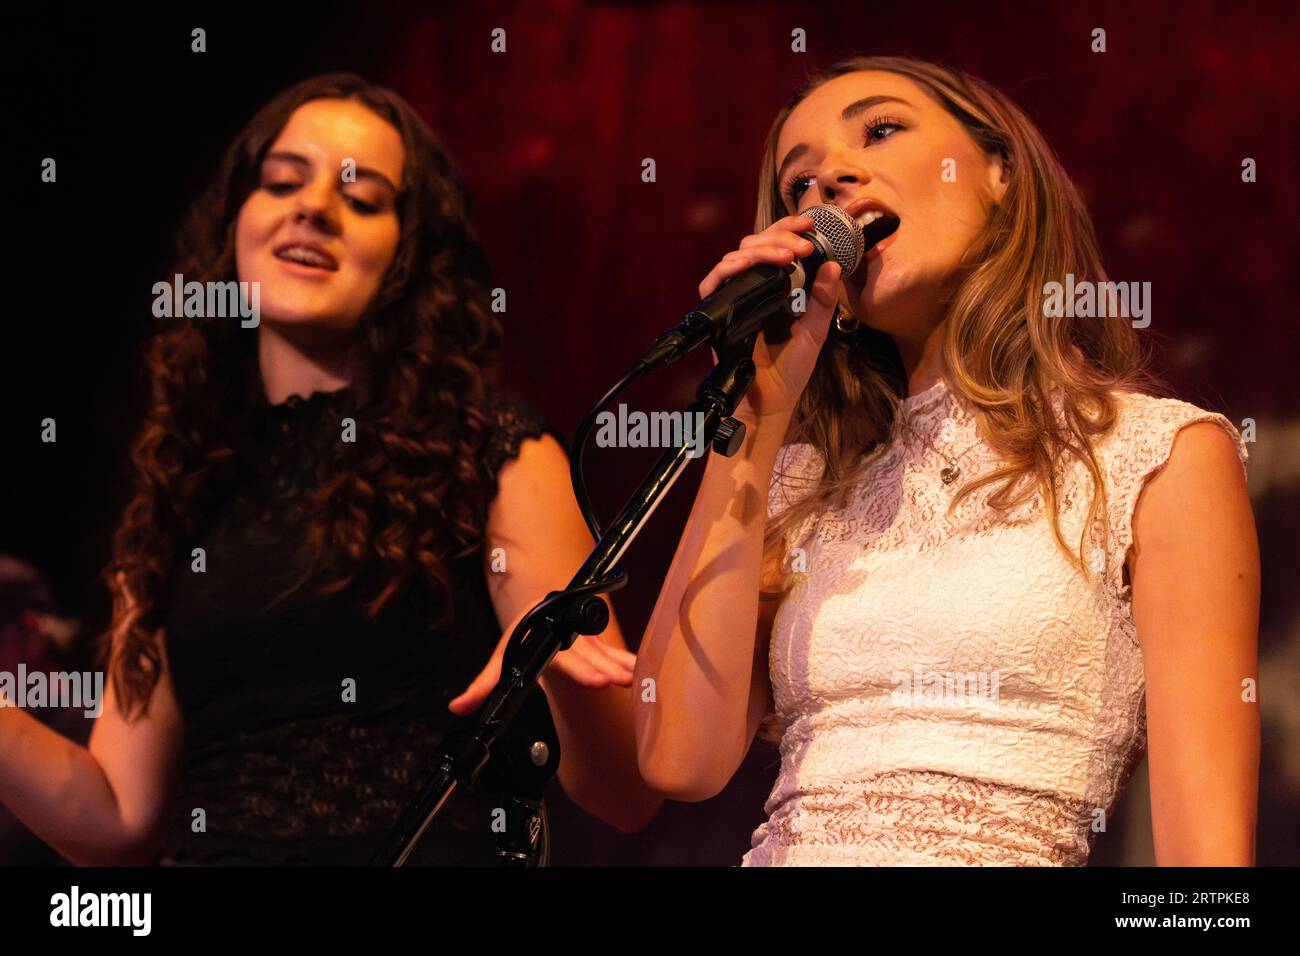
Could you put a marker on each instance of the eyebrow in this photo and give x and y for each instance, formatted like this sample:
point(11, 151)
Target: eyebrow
point(363, 172)
point(846, 114)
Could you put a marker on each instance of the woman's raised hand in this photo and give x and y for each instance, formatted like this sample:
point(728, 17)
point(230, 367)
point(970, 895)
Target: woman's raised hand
point(782, 370)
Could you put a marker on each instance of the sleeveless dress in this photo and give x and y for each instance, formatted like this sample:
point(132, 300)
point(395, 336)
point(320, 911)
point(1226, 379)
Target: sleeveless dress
point(279, 767)
point(950, 690)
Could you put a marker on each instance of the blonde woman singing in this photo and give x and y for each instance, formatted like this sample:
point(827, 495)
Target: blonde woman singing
point(967, 564)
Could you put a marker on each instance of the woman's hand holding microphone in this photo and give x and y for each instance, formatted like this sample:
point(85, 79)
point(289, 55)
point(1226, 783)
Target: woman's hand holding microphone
point(782, 370)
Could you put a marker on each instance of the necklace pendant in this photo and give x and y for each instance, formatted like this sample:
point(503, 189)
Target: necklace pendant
point(949, 474)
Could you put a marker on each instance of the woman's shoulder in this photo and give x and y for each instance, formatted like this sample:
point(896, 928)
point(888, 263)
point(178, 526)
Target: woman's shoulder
point(1138, 446)
point(1146, 425)
point(511, 421)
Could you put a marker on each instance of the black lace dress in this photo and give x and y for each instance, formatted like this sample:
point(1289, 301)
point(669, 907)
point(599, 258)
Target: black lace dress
point(308, 727)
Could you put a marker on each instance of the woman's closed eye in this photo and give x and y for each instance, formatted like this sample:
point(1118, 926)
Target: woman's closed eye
point(363, 206)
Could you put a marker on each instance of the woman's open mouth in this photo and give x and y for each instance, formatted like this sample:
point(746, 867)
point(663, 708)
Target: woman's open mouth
point(306, 255)
point(878, 226)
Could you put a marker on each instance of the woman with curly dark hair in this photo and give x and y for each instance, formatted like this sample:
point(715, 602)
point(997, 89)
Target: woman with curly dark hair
point(337, 521)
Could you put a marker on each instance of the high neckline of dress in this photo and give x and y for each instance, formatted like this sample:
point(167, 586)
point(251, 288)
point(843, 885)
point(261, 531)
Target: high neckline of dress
point(933, 417)
point(924, 399)
point(300, 419)
point(292, 445)
point(313, 399)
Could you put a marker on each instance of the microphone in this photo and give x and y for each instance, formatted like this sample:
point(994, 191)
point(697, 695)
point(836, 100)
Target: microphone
point(739, 307)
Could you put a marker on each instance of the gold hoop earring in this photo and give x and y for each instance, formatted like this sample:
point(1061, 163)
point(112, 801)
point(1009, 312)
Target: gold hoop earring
point(845, 327)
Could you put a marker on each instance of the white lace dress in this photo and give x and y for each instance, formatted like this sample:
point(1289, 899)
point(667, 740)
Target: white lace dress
point(951, 691)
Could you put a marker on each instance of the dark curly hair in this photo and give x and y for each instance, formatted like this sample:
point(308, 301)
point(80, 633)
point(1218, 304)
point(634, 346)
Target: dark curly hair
point(408, 497)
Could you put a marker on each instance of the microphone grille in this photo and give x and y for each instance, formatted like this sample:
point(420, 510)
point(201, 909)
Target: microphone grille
point(841, 235)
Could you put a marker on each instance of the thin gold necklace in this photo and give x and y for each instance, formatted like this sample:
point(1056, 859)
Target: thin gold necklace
point(950, 473)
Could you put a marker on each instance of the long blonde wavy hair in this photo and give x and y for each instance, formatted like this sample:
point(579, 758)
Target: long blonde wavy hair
point(1000, 352)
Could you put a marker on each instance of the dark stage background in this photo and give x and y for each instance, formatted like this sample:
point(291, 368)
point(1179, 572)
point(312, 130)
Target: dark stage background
point(550, 137)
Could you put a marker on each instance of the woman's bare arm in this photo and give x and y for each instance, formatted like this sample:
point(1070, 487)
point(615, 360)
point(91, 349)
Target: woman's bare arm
point(536, 524)
point(1195, 578)
point(705, 648)
point(102, 804)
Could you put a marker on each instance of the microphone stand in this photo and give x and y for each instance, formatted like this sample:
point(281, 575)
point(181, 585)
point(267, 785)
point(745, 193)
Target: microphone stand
point(554, 623)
